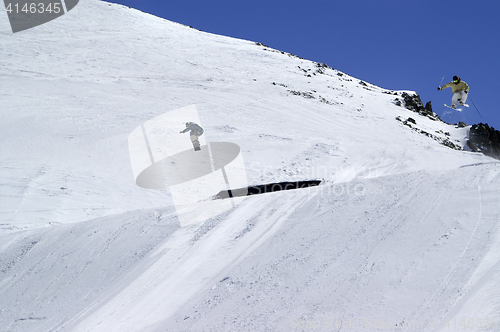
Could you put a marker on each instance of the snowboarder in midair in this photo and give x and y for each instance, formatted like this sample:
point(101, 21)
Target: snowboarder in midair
point(196, 131)
point(460, 91)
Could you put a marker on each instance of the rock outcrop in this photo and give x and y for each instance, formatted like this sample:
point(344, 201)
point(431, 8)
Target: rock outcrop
point(414, 103)
point(485, 139)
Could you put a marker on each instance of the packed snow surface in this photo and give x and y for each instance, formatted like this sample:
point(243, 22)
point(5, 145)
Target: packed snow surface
point(402, 233)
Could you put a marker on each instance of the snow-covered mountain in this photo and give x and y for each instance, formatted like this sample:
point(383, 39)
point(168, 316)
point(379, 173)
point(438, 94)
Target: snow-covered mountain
point(401, 234)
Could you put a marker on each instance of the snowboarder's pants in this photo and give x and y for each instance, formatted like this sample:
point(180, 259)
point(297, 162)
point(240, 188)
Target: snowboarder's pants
point(194, 140)
point(459, 96)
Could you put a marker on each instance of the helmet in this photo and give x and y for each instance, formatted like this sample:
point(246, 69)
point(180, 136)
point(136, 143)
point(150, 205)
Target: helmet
point(456, 79)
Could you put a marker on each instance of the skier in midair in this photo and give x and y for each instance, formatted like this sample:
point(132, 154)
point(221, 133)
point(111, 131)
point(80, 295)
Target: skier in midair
point(196, 131)
point(460, 91)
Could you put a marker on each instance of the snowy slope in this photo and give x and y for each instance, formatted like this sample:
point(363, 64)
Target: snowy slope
point(403, 229)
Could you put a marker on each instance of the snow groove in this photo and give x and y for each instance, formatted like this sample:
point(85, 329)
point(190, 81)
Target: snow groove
point(447, 279)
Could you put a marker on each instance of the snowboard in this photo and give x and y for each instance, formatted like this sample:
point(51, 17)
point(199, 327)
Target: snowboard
point(196, 145)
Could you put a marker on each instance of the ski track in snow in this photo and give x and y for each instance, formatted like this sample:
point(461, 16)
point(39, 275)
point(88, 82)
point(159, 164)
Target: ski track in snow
point(402, 233)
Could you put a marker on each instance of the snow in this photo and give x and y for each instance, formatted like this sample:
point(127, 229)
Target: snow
point(402, 232)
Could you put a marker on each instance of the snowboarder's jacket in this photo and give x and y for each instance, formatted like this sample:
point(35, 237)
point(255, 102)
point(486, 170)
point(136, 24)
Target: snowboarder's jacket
point(457, 87)
point(195, 129)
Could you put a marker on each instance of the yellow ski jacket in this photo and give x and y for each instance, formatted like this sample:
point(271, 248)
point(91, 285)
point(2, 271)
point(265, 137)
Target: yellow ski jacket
point(457, 87)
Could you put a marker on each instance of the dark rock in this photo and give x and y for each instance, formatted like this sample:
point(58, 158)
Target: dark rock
point(413, 103)
point(485, 139)
point(322, 65)
point(461, 124)
point(428, 108)
point(450, 144)
point(408, 121)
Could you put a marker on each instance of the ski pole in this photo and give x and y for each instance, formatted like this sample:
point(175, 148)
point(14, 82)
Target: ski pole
point(475, 107)
point(441, 81)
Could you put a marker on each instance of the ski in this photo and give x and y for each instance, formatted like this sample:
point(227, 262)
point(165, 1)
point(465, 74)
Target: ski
point(458, 107)
point(465, 105)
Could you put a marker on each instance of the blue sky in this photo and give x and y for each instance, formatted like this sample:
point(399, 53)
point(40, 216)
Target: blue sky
point(395, 44)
